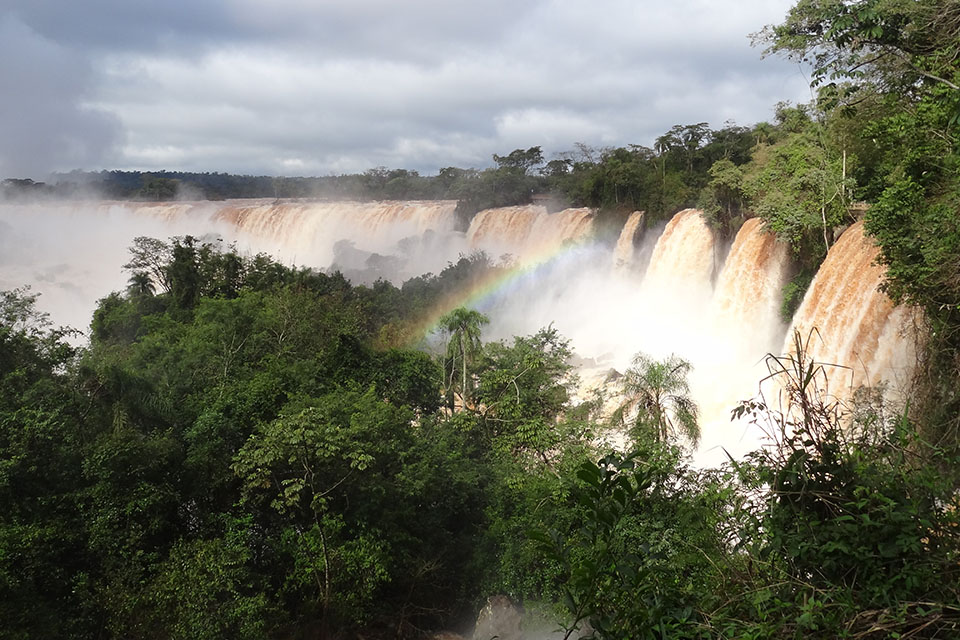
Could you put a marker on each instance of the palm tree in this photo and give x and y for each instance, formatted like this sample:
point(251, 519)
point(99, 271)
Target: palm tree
point(660, 394)
point(464, 327)
point(763, 131)
point(140, 284)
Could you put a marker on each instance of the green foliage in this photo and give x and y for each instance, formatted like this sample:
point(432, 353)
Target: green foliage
point(796, 185)
point(408, 378)
point(520, 161)
point(133, 537)
point(323, 468)
point(881, 45)
point(463, 326)
point(202, 591)
point(793, 292)
point(44, 580)
point(723, 199)
point(854, 519)
point(158, 188)
point(523, 389)
point(657, 396)
point(841, 527)
point(642, 551)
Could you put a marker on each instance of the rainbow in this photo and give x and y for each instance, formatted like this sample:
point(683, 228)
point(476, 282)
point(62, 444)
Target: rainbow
point(499, 282)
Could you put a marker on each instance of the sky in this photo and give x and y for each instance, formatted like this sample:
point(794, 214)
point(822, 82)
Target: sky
point(324, 87)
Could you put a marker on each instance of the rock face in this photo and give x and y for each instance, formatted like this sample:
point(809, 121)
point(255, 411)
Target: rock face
point(500, 619)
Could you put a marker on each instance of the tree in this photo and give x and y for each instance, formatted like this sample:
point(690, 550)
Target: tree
point(463, 325)
point(880, 45)
point(140, 284)
point(523, 389)
point(183, 273)
point(520, 161)
point(724, 194)
point(159, 188)
point(557, 167)
point(642, 556)
point(659, 392)
point(764, 132)
point(798, 186)
point(307, 464)
point(150, 256)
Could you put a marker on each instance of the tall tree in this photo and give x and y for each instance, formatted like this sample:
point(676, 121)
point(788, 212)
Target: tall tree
point(659, 393)
point(880, 45)
point(183, 273)
point(463, 325)
point(150, 256)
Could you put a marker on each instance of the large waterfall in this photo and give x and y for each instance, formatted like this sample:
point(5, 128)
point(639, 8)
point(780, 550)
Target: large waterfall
point(713, 304)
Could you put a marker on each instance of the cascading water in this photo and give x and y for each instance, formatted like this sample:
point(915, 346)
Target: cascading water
point(623, 253)
point(505, 227)
point(529, 232)
point(723, 316)
point(685, 256)
point(857, 326)
point(72, 252)
point(551, 231)
point(749, 287)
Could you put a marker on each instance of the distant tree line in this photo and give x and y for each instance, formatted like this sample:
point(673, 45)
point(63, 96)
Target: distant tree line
point(659, 180)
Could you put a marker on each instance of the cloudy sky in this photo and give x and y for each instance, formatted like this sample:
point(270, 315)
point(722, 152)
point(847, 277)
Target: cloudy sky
point(318, 87)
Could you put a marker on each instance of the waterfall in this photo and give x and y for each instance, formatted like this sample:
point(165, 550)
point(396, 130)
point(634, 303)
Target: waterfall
point(857, 326)
point(723, 316)
point(291, 222)
point(623, 253)
point(503, 228)
point(683, 260)
point(72, 252)
point(551, 232)
point(749, 288)
point(529, 232)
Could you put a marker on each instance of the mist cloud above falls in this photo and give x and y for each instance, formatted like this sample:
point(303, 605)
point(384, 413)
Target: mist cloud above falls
point(312, 88)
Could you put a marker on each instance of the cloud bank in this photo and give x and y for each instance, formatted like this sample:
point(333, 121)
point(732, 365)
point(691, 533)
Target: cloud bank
point(298, 87)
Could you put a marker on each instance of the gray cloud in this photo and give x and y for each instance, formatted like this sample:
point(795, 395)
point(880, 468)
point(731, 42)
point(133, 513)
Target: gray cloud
point(44, 122)
point(314, 87)
point(130, 25)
